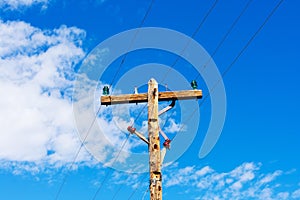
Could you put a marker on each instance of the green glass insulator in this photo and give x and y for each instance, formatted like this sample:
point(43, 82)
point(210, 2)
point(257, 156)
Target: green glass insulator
point(105, 90)
point(194, 84)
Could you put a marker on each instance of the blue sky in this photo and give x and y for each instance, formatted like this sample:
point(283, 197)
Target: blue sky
point(45, 46)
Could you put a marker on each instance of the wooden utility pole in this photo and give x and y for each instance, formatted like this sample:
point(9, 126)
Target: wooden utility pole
point(152, 97)
point(154, 144)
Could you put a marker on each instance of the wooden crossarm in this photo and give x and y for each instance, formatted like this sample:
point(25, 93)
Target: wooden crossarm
point(140, 98)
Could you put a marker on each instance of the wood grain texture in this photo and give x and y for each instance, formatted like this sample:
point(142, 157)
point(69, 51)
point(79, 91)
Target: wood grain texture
point(155, 187)
point(142, 98)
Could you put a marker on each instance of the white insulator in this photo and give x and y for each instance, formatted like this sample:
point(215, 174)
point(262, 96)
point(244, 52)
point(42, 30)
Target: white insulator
point(136, 90)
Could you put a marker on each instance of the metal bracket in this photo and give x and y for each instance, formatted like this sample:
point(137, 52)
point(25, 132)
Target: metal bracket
point(132, 130)
point(169, 107)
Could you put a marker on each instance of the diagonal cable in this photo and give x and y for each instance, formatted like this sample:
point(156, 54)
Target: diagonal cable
point(132, 41)
point(193, 35)
point(77, 153)
point(235, 59)
point(113, 79)
point(187, 44)
point(140, 182)
point(225, 37)
point(108, 174)
point(189, 41)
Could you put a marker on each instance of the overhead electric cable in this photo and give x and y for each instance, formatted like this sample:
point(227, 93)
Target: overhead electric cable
point(144, 195)
point(110, 169)
point(77, 153)
point(224, 37)
point(212, 7)
point(236, 58)
point(135, 190)
point(115, 75)
point(132, 41)
point(218, 47)
point(193, 35)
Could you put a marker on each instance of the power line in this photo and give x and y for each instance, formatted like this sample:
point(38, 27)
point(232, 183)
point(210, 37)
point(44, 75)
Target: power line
point(116, 193)
point(205, 17)
point(225, 37)
point(253, 36)
point(147, 190)
point(212, 7)
point(220, 44)
point(236, 58)
point(233, 62)
point(77, 153)
point(131, 42)
point(113, 79)
point(119, 189)
point(193, 35)
point(108, 174)
point(135, 190)
point(82, 143)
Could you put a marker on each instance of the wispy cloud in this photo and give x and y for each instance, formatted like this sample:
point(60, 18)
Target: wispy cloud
point(19, 4)
point(246, 181)
point(296, 194)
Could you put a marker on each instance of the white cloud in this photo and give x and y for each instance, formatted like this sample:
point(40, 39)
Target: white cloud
point(270, 177)
point(205, 170)
point(296, 194)
point(173, 127)
point(246, 181)
point(38, 68)
point(17, 4)
point(37, 73)
point(283, 195)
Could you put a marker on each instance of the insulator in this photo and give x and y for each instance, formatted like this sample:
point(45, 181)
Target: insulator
point(194, 84)
point(167, 143)
point(131, 129)
point(136, 90)
point(105, 90)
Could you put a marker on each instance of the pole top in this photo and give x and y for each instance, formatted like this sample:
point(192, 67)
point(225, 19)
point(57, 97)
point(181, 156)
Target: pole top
point(152, 80)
